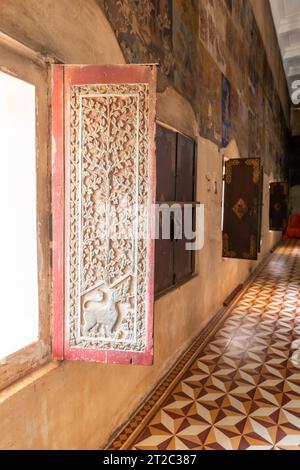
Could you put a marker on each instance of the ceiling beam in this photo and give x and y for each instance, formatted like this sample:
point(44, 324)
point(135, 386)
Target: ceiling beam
point(291, 52)
point(293, 70)
point(289, 24)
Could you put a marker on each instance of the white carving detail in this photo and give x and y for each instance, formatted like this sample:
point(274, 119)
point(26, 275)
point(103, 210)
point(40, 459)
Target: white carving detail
point(108, 174)
point(99, 308)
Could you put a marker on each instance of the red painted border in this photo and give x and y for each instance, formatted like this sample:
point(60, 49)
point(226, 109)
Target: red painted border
point(57, 212)
point(151, 217)
point(90, 74)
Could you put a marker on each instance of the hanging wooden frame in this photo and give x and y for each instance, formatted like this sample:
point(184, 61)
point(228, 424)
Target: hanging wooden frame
point(103, 157)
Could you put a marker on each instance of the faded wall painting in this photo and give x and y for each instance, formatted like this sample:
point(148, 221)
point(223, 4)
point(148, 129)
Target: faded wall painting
point(197, 41)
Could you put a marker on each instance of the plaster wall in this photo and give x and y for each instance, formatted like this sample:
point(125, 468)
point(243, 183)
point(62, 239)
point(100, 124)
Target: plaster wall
point(80, 405)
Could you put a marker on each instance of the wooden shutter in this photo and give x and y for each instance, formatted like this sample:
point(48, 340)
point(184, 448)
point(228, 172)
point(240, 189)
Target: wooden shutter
point(184, 260)
point(185, 182)
point(165, 164)
point(260, 209)
point(241, 208)
point(164, 259)
point(165, 192)
point(185, 192)
point(103, 140)
point(278, 206)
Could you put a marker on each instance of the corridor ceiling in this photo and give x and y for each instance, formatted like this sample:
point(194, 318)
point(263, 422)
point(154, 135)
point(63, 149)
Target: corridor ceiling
point(286, 14)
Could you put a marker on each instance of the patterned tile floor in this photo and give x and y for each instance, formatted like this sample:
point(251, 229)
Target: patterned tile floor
point(243, 390)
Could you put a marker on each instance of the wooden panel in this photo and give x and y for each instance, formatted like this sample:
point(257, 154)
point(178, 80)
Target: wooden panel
point(241, 208)
point(185, 183)
point(165, 164)
point(164, 260)
point(58, 214)
point(278, 206)
point(260, 209)
point(108, 258)
point(183, 258)
point(166, 145)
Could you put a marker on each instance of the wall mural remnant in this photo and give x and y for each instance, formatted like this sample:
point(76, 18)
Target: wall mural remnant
point(195, 42)
point(144, 31)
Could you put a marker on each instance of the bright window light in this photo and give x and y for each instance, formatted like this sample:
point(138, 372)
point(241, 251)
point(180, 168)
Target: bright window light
point(18, 241)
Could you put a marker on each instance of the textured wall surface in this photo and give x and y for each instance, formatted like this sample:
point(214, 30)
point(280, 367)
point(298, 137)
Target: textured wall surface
point(80, 405)
point(195, 42)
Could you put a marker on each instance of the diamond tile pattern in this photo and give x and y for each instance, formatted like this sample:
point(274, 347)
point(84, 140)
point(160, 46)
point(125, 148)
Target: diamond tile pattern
point(243, 391)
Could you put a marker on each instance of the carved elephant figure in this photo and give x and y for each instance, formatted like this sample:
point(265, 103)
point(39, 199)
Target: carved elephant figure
point(99, 308)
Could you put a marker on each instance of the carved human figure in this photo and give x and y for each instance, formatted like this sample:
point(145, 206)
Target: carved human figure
point(99, 308)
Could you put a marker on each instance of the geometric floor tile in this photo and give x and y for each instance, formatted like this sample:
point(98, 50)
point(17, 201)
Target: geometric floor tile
point(242, 391)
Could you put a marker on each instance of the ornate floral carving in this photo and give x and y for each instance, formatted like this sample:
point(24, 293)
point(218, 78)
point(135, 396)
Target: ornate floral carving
point(107, 245)
point(240, 208)
point(229, 165)
point(255, 163)
point(226, 250)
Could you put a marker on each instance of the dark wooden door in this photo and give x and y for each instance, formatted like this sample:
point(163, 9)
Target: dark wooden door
point(185, 192)
point(278, 206)
point(164, 258)
point(185, 170)
point(166, 144)
point(184, 259)
point(241, 208)
point(176, 186)
point(165, 164)
point(260, 209)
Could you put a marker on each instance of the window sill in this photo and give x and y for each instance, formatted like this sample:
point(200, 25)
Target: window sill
point(31, 378)
point(175, 286)
point(40, 372)
point(23, 362)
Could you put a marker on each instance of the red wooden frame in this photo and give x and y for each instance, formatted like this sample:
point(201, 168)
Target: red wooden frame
point(64, 76)
point(57, 213)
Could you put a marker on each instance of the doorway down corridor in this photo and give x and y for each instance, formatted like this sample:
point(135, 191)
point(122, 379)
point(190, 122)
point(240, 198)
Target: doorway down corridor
point(238, 388)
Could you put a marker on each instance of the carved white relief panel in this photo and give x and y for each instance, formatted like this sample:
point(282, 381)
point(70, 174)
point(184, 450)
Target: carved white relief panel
point(108, 230)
